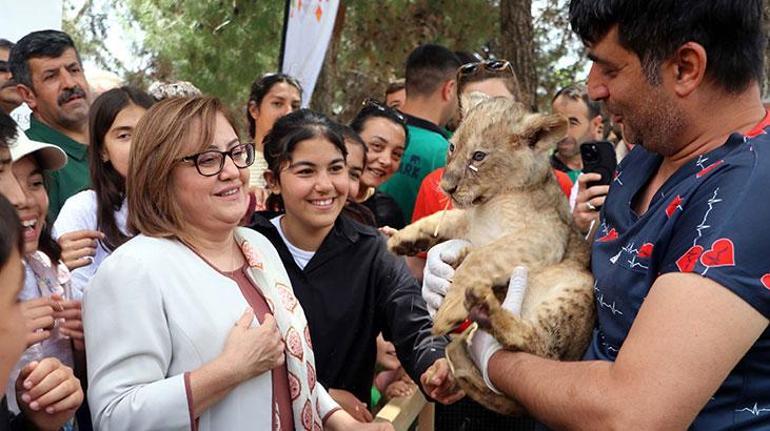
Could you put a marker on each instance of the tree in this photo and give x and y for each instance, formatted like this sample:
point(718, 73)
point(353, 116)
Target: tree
point(372, 40)
point(518, 45)
point(220, 46)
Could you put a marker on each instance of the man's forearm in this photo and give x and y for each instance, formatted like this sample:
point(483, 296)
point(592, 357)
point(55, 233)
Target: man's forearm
point(573, 395)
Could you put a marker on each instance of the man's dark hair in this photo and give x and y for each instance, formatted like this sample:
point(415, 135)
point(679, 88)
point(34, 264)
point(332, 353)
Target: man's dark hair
point(579, 92)
point(45, 43)
point(8, 130)
point(729, 30)
point(6, 44)
point(427, 67)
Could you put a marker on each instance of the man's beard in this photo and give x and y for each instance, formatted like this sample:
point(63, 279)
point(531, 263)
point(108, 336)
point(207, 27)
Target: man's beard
point(656, 126)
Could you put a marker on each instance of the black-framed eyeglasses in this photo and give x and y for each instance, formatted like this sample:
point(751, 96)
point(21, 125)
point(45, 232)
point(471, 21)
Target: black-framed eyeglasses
point(489, 65)
point(384, 108)
point(4, 66)
point(211, 162)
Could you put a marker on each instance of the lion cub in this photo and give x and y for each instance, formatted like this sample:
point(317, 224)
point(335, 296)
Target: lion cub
point(510, 207)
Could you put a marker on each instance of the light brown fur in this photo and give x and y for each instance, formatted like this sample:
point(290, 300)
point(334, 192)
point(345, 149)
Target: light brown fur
point(514, 213)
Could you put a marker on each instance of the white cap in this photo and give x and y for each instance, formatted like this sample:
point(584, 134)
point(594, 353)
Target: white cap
point(50, 156)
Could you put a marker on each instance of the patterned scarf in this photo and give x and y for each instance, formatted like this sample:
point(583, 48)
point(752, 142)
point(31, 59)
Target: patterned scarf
point(300, 361)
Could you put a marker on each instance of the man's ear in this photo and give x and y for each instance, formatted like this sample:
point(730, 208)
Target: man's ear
point(597, 128)
point(271, 182)
point(542, 132)
point(449, 89)
point(687, 68)
point(27, 95)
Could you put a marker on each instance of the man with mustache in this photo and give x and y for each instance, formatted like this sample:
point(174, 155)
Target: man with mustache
point(585, 124)
point(9, 97)
point(49, 77)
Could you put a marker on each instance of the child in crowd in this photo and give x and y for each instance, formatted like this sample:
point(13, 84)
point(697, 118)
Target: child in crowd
point(51, 308)
point(92, 223)
point(271, 97)
point(349, 285)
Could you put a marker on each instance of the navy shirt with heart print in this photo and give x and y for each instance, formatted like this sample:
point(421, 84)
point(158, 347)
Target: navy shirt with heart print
point(709, 218)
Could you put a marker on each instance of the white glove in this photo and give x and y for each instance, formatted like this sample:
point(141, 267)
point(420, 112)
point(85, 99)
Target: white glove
point(482, 345)
point(438, 271)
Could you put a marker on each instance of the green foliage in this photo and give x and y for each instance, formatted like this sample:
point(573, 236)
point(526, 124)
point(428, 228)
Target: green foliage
point(377, 36)
point(220, 46)
point(559, 52)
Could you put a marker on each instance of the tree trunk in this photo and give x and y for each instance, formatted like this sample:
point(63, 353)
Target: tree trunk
point(517, 44)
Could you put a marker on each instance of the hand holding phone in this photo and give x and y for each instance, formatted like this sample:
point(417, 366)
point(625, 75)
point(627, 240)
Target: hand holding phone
point(599, 157)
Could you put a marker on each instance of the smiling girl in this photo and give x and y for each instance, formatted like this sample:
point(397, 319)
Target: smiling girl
point(349, 285)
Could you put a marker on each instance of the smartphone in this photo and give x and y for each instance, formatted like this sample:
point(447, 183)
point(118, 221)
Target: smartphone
point(599, 157)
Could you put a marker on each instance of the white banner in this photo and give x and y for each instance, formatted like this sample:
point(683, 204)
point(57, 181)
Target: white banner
point(308, 31)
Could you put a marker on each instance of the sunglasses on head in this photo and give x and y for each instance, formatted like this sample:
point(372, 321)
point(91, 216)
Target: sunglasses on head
point(383, 108)
point(489, 65)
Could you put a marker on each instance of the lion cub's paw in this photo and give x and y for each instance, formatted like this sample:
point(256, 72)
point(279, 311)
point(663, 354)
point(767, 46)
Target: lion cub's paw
point(409, 241)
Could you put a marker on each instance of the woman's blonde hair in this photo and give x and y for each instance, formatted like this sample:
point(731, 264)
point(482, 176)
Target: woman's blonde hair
point(162, 137)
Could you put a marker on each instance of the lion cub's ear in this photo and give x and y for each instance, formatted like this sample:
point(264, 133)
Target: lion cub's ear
point(542, 132)
point(471, 100)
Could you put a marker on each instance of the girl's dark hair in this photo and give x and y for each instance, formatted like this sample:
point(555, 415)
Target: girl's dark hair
point(375, 109)
point(289, 131)
point(108, 184)
point(47, 244)
point(259, 90)
point(10, 231)
point(348, 134)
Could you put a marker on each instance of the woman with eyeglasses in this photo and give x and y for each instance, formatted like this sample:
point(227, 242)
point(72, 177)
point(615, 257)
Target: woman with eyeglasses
point(349, 285)
point(192, 324)
point(384, 131)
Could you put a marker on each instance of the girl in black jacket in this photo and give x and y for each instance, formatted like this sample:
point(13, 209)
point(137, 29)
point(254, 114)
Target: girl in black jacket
point(350, 287)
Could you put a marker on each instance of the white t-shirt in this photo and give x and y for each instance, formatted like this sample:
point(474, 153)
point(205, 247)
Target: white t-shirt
point(79, 213)
point(302, 257)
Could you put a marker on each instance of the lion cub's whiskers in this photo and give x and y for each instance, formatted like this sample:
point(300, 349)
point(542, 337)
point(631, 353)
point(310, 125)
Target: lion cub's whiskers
point(441, 220)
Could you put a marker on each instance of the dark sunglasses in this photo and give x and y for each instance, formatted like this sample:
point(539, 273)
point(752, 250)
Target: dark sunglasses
point(374, 103)
point(211, 162)
point(5, 66)
point(489, 65)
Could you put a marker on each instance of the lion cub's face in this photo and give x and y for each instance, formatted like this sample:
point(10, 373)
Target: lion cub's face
point(499, 147)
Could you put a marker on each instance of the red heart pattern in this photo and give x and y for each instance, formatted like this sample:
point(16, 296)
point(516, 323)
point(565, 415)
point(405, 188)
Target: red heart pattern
point(645, 251)
point(673, 205)
point(765, 281)
point(687, 262)
point(612, 235)
point(722, 253)
point(708, 169)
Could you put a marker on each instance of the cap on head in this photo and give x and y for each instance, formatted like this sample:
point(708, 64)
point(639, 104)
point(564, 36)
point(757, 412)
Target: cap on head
point(49, 156)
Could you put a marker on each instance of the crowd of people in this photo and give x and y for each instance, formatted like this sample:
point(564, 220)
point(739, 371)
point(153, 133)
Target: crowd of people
point(185, 275)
